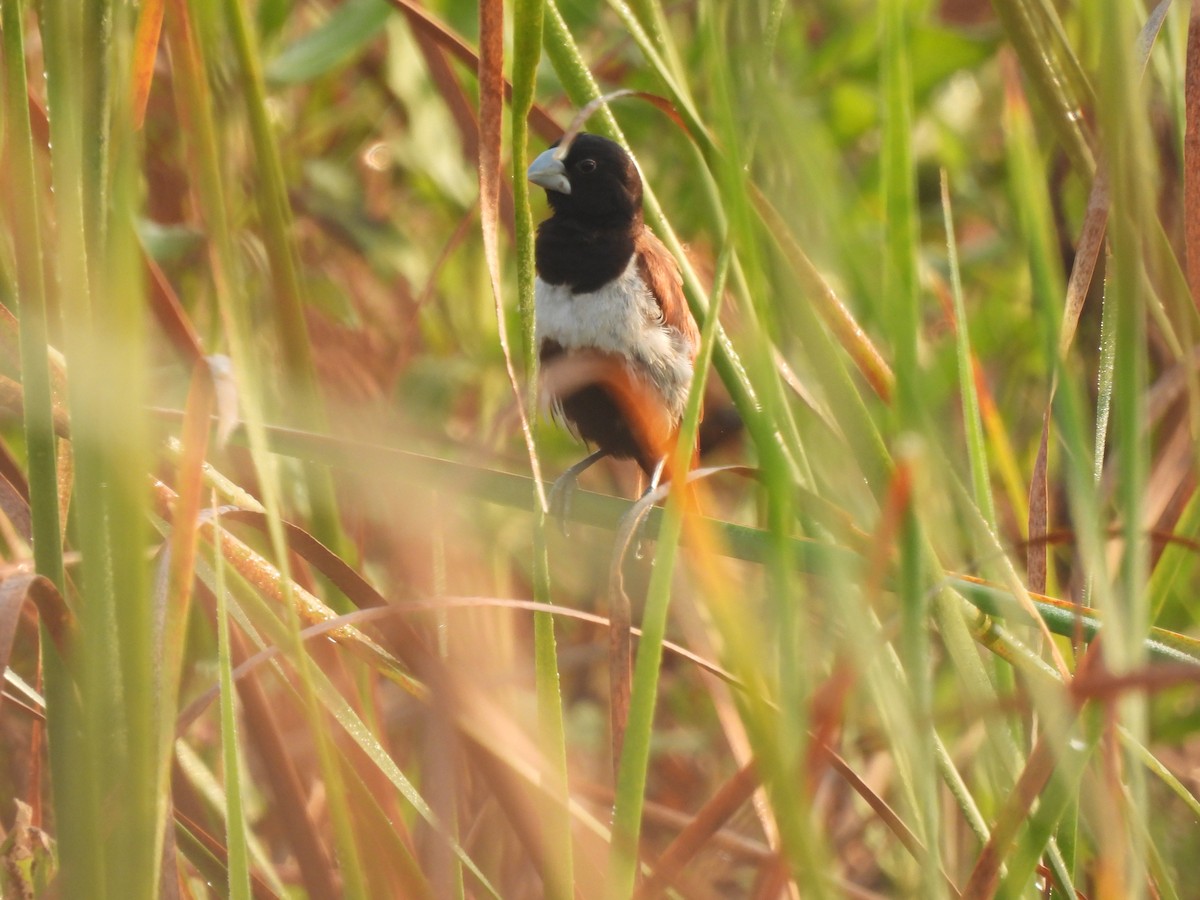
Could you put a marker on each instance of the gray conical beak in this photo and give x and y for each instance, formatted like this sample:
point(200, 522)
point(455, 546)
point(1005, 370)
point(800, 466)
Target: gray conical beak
point(549, 172)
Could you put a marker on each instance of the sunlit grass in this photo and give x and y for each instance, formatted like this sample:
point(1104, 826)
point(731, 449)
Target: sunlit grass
point(943, 643)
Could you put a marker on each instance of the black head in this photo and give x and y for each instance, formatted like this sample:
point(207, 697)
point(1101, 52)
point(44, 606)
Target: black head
point(596, 180)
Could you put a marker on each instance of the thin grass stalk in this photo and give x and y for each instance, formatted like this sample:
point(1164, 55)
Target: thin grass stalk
point(1055, 802)
point(300, 384)
point(235, 814)
point(194, 106)
point(901, 293)
point(282, 631)
point(490, 73)
point(649, 32)
point(1104, 389)
point(527, 47)
point(736, 198)
point(105, 345)
point(653, 19)
point(175, 578)
point(736, 541)
point(80, 766)
point(24, 208)
point(22, 190)
point(972, 422)
point(122, 327)
point(901, 290)
point(635, 753)
point(780, 743)
point(1130, 156)
point(780, 442)
point(782, 463)
point(564, 55)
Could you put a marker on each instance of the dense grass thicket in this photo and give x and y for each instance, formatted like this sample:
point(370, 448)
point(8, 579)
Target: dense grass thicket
point(282, 613)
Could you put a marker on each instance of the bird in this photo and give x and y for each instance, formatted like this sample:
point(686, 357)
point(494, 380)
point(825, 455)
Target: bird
point(616, 340)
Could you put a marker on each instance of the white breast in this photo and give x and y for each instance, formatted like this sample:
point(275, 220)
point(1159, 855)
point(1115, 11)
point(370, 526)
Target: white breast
point(622, 317)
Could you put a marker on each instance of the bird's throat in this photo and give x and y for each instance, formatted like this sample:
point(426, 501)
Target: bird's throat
point(583, 258)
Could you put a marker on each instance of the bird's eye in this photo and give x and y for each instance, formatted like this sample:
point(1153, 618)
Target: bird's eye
point(586, 166)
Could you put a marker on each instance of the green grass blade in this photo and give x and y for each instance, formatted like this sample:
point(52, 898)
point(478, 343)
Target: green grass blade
point(25, 208)
point(527, 49)
point(98, 269)
point(288, 292)
point(1040, 59)
point(635, 754)
point(902, 293)
point(235, 813)
point(972, 422)
point(564, 54)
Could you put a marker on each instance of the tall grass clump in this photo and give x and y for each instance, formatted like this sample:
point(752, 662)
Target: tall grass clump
point(283, 611)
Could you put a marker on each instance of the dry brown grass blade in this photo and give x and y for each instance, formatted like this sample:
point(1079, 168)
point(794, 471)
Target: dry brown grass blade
point(145, 52)
point(441, 604)
point(620, 667)
point(14, 507)
point(19, 587)
point(189, 483)
point(883, 543)
point(1095, 220)
point(343, 576)
point(12, 398)
point(1087, 253)
point(1191, 156)
point(11, 471)
point(384, 842)
point(171, 316)
point(491, 127)
point(692, 839)
point(581, 117)
point(190, 820)
point(886, 814)
point(1039, 766)
point(10, 343)
point(419, 19)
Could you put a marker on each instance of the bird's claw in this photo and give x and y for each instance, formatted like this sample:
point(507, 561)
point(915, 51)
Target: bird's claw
point(559, 500)
point(562, 492)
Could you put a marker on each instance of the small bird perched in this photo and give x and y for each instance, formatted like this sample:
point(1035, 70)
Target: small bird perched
point(615, 337)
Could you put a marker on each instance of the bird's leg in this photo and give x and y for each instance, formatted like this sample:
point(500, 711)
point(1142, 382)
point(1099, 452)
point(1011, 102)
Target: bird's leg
point(564, 487)
point(655, 476)
point(642, 507)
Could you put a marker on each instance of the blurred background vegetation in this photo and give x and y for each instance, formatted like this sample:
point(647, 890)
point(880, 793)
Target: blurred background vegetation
point(944, 643)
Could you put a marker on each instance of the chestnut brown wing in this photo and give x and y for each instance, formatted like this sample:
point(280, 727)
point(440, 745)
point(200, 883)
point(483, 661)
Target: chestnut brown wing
point(660, 272)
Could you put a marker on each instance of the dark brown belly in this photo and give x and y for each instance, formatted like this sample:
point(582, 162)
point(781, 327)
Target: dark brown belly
point(607, 404)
